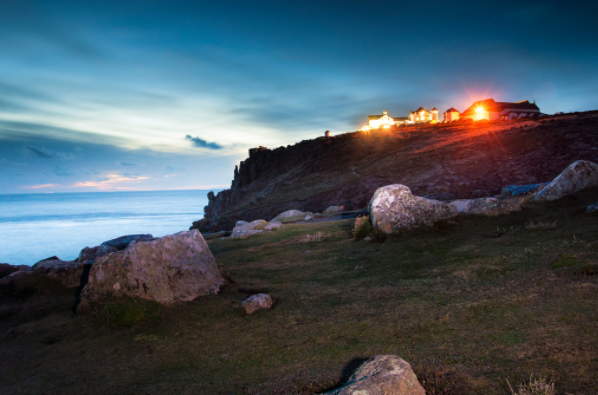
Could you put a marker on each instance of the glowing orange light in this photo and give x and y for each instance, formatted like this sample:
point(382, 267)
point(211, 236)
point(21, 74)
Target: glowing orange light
point(386, 126)
point(479, 109)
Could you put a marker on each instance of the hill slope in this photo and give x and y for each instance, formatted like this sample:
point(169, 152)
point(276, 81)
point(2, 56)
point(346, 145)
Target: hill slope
point(465, 160)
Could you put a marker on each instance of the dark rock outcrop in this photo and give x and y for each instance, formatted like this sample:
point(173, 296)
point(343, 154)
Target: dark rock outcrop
point(6, 269)
point(120, 243)
point(69, 273)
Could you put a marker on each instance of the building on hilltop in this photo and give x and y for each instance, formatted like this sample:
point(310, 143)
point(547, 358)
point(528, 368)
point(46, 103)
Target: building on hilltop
point(382, 121)
point(491, 110)
point(451, 115)
point(422, 115)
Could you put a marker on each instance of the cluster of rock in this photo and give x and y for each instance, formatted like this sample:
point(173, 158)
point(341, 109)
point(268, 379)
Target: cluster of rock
point(394, 208)
point(172, 268)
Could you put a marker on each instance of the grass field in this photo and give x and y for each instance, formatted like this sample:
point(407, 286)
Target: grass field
point(469, 305)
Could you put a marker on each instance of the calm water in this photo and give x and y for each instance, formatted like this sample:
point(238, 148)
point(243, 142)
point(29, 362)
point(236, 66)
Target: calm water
point(37, 226)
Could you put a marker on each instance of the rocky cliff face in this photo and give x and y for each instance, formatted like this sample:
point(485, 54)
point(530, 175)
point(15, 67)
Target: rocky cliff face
point(463, 160)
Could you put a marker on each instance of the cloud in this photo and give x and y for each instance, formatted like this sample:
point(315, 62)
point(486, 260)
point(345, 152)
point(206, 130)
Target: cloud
point(47, 154)
point(62, 171)
point(197, 142)
point(40, 152)
point(173, 169)
point(127, 163)
point(110, 181)
point(41, 186)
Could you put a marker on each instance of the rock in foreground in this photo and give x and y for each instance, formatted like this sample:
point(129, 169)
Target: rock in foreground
point(579, 175)
point(173, 268)
point(6, 269)
point(393, 208)
point(90, 254)
point(288, 214)
point(256, 302)
point(382, 375)
point(244, 229)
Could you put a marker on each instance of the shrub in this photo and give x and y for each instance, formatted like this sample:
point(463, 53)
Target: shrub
point(363, 228)
point(319, 236)
point(565, 261)
point(126, 312)
point(534, 387)
point(541, 225)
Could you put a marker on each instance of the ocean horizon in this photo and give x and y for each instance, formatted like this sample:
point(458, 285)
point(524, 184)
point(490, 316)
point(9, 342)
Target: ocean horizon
point(36, 226)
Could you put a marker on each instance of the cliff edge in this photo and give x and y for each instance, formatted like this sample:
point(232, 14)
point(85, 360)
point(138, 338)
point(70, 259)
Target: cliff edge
point(462, 160)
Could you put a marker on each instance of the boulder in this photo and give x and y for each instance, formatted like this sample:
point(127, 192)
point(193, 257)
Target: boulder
point(120, 243)
point(273, 225)
point(333, 209)
point(443, 196)
point(382, 375)
point(256, 302)
point(241, 223)
point(288, 214)
point(88, 255)
point(593, 208)
point(6, 269)
point(393, 208)
point(248, 228)
point(579, 175)
point(172, 268)
point(67, 272)
point(490, 207)
point(521, 190)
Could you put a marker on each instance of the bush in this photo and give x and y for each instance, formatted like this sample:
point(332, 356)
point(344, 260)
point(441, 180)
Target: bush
point(534, 387)
point(363, 228)
point(126, 312)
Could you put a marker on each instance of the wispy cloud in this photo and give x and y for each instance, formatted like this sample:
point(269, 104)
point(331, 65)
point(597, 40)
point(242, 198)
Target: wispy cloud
point(44, 153)
point(41, 186)
point(110, 181)
point(127, 163)
point(197, 142)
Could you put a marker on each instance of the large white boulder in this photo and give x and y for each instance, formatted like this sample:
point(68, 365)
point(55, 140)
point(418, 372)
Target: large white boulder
point(173, 268)
point(579, 175)
point(382, 375)
point(333, 209)
point(487, 206)
point(393, 208)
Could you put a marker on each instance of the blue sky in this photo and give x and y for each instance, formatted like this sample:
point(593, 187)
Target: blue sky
point(109, 96)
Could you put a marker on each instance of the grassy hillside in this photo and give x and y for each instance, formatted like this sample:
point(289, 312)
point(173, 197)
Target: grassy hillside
point(469, 306)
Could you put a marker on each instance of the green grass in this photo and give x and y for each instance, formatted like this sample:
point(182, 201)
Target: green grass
point(125, 312)
point(469, 306)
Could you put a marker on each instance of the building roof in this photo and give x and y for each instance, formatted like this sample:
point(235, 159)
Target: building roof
point(419, 110)
point(434, 109)
point(452, 109)
point(401, 118)
point(497, 106)
point(375, 117)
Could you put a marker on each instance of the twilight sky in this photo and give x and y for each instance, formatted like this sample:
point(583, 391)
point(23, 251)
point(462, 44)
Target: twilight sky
point(141, 95)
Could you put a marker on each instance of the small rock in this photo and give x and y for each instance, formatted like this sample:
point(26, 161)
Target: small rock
point(442, 196)
point(67, 272)
point(273, 225)
point(393, 208)
point(256, 302)
point(333, 209)
point(487, 206)
point(579, 175)
point(88, 255)
point(382, 375)
point(6, 269)
point(367, 238)
point(521, 190)
point(120, 243)
point(241, 223)
point(288, 214)
point(249, 228)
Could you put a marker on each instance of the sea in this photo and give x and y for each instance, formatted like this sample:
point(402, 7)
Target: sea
point(37, 226)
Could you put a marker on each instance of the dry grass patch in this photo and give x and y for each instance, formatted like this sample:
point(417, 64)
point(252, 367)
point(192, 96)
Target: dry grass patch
point(541, 225)
point(535, 386)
